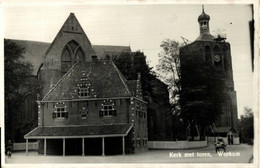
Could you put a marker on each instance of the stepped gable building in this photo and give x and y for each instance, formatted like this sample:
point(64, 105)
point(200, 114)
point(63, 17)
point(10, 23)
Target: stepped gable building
point(216, 52)
point(24, 112)
point(86, 106)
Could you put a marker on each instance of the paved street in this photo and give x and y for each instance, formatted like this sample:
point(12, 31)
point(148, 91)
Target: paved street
point(235, 154)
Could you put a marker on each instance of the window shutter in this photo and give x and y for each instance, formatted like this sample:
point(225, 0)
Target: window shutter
point(66, 115)
point(53, 115)
point(114, 112)
point(100, 113)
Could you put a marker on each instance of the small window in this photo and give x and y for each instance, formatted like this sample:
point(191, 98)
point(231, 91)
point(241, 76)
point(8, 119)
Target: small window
point(107, 108)
point(84, 92)
point(84, 113)
point(85, 88)
point(60, 111)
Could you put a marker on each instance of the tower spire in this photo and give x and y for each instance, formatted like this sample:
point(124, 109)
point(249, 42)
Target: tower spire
point(203, 20)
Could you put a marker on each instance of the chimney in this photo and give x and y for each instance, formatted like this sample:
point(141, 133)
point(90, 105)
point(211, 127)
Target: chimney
point(94, 58)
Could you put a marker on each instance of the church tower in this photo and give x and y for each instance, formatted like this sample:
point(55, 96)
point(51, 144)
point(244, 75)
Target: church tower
point(216, 53)
point(204, 22)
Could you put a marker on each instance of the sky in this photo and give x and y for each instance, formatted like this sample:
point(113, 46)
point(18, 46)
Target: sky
point(142, 27)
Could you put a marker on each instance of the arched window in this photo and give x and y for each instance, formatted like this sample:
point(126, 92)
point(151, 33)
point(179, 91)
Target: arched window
point(65, 60)
point(207, 53)
point(79, 56)
point(71, 54)
point(226, 58)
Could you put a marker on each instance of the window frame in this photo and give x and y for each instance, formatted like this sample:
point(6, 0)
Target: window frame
point(60, 111)
point(107, 109)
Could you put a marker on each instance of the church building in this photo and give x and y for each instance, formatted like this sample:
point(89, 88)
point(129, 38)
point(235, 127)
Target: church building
point(86, 106)
point(216, 52)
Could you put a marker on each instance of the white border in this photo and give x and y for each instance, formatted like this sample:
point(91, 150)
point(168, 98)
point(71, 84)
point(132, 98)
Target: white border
point(135, 2)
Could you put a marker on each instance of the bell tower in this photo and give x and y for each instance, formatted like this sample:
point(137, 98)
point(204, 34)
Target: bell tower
point(215, 53)
point(203, 20)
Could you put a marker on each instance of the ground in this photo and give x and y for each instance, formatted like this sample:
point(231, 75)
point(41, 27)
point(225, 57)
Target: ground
point(242, 153)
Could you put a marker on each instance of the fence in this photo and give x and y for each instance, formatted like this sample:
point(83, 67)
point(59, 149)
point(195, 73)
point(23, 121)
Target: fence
point(22, 146)
point(176, 144)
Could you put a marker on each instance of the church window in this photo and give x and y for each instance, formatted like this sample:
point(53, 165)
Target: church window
point(65, 61)
point(79, 56)
point(73, 45)
point(60, 110)
point(72, 52)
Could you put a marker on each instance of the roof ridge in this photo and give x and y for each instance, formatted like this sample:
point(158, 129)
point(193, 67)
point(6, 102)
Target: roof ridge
point(61, 79)
point(104, 45)
point(28, 41)
point(121, 77)
point(72, 15)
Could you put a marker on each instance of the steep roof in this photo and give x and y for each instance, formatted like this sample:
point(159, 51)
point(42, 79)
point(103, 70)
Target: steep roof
point(86, 131)
point(34, 51)
point(105, 79)
point(205, 37)
point(103, 50)
point(132, 85)
point(72, 26)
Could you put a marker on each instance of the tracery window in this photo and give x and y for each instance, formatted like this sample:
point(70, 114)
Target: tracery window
point(71, 54)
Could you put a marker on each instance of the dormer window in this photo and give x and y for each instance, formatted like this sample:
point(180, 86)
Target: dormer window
point(60, 110)
point(107, 108)
point(84, 92)
point(85, 89)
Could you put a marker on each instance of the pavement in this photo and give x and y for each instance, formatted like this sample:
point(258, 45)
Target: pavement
point(234, 154)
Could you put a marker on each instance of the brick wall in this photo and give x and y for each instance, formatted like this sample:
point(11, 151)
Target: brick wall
point(93, 107)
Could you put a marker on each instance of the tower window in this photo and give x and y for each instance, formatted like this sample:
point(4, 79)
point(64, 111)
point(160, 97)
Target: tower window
point(207, 53)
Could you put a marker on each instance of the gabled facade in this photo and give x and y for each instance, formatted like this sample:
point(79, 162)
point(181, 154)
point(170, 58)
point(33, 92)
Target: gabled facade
point(86, 102)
